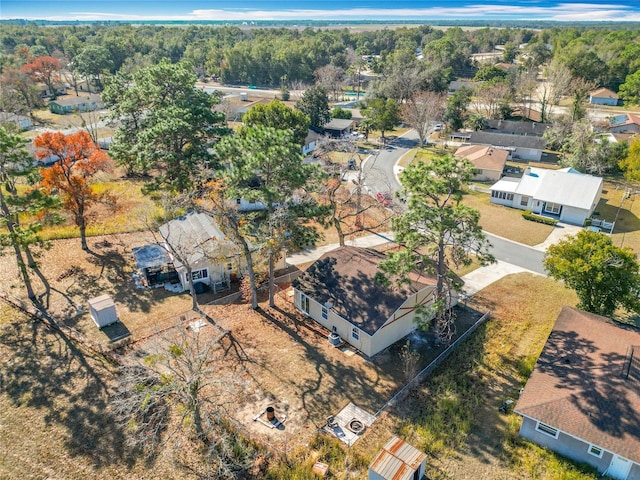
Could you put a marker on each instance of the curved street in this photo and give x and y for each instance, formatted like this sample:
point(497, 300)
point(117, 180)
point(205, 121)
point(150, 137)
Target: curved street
point(512, 257)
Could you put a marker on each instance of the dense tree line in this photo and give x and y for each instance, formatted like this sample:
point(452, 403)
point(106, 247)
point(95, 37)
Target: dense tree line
point(278, 56)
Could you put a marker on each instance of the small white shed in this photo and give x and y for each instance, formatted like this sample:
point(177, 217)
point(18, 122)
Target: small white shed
point(398, 461)
point(103, 310)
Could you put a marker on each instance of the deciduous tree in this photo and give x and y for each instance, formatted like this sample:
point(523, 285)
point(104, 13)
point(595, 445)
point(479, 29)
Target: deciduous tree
point(278, 115)
point(437, 232)
point(456, 107)
point(92, 61)
point(18, 93)
point(331, 78)
point(604, 276)
point(78, 160)
point(422, 111)
point(347, 204)
point(177, 395)
point(631, 163)
point(382, 114)
point(46, 70)
point(630, 89)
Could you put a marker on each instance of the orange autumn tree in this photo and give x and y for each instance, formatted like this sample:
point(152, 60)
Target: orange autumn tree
point(79, 159)
point(46, 70)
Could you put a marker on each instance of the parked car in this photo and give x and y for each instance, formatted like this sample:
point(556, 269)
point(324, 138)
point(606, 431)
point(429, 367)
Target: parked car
point(438, 127)
point(385, 198)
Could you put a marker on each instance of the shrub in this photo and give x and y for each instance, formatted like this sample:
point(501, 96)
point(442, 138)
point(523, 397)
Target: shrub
point(529, 215)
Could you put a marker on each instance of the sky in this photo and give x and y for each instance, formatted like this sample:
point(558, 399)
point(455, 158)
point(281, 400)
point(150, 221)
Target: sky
point(566, 10)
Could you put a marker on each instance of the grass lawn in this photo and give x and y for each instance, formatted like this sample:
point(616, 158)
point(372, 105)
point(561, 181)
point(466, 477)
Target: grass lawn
point(132, 210)
point(506, 222)
point(615, 205)
point(454, 416)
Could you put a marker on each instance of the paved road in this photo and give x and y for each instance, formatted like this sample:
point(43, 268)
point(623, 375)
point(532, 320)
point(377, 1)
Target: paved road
point(514, 253)
point(378, 169)
point(380, 176)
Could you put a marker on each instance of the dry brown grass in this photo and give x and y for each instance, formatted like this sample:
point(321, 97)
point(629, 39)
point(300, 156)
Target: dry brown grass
point(70, 276)
point(489, 368)
point(624, 210)
point(280, 357)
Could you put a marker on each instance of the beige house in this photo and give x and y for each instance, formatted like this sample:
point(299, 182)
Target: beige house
point(489, 161)
point(583, 398)
point(340, 291)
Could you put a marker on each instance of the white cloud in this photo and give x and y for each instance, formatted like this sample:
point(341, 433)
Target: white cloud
point(560, 12)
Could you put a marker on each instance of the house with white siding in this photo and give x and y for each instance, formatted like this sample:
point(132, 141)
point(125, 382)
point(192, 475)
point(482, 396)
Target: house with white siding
point(341, 292)
point(566, 194)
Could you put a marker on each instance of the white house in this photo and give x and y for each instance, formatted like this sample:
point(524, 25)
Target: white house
point(398, 460)
point(196, 240)
point(582, 399)
point(340, 292)
point(566, 194)
point(19, 121)
point(311, 141)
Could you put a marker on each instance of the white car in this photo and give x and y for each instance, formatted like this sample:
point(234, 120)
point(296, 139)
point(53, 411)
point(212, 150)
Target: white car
point(438, 127)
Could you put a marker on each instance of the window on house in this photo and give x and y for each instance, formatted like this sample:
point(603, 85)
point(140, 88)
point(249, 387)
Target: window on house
point(325, 312)
point(304, 303)
point(502, 195)
point(238, 201)
point(595, 451)
point(553, 208)
point(524, 201)
point(199, 274)
point(355, 333)
point(547, 430)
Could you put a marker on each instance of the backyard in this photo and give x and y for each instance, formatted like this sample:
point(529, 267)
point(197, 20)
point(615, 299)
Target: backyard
point(284, 361)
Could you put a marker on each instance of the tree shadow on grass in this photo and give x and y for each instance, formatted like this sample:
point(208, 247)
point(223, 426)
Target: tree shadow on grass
point(45, 371)
point(331, 384)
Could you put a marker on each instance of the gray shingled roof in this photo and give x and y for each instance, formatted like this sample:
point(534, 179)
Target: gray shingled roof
point(511, 127)
point(506, 140)
point(346, 278)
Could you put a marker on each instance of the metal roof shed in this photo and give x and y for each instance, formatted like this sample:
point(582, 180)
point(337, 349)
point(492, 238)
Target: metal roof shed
point(398, 461)
point(103, 310)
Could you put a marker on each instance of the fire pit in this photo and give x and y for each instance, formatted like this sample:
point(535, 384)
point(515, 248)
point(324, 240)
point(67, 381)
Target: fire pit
point(356, 426)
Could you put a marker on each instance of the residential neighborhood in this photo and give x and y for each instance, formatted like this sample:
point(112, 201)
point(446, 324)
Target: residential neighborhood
point(296, 249)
